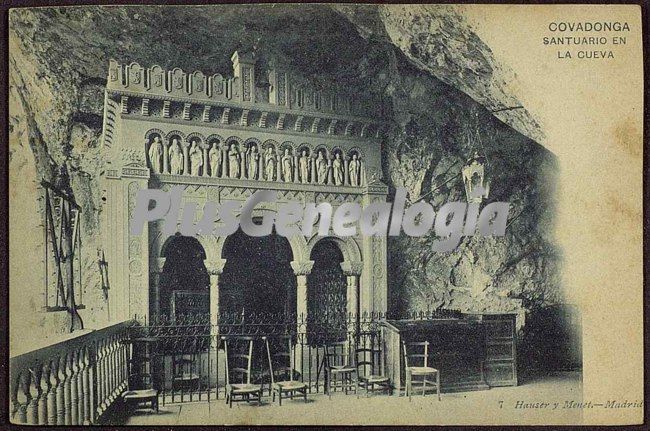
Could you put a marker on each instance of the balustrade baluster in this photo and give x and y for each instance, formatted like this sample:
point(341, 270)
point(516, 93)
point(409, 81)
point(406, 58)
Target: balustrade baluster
point(101, 376)
point(85, 388)
point(24, 391)
point(44, 395)
point(74, 395)
point(80, 389)
point(112, 369)
point(60, 391)
point(92, 383)
point(124, 368)
point(16, 410)
point(13, 394)
point(35, 386)
point(53, 383)
point(67, 393)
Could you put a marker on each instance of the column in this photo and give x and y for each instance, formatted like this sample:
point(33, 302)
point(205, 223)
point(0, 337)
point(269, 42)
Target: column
point(330, 174)
point(224, 162)
point(166, 157)
point(312, 160)
point(186, 158)
point(215, 269)
point(302, 269)
point(352, 271)
point(346, 174)
point(206, 162)
point(242, 165)
point(296, 170)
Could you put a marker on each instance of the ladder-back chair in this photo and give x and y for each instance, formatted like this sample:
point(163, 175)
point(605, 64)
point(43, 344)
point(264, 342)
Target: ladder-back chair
point(411, 361)
point(281, 369)
point(368, 372)
point(337, 365)
point(238, 370)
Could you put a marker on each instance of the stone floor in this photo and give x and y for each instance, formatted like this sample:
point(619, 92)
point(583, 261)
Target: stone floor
point(495, 406)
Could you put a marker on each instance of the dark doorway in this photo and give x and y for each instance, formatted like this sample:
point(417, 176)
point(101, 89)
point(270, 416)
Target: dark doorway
point(257, 277)
point(327, 292)
point(184, 282)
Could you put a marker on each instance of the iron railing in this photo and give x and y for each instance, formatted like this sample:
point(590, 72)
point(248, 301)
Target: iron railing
point(189, 361)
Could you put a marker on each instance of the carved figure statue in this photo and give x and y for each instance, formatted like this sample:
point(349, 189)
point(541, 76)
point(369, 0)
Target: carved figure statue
point(270, 162)
point(155, 154)
point(337, 169)
point(354, 170)
point(175, 158)
point(303, 165)
point(196, 158)
point(233, 161)
point(253, 163)
point(215, 159)
point(321, 165)
point(287, 166)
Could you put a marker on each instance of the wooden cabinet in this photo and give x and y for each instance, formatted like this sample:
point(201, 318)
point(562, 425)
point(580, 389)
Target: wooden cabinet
point(500, 364)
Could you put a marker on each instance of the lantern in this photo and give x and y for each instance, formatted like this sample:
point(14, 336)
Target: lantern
point(476, 187)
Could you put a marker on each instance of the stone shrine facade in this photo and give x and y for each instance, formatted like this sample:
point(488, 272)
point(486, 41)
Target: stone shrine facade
point(223, 139)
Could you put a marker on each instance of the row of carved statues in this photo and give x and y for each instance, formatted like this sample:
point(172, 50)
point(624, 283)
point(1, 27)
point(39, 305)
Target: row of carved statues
point(228, 161)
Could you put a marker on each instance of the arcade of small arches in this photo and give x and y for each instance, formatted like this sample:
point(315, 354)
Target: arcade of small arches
point(193, 154)
point(260, 274)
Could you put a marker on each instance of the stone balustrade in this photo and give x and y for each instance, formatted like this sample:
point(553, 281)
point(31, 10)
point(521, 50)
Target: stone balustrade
point(71, 382)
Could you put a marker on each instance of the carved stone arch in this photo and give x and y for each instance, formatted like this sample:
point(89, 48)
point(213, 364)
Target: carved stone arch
point(214, 136)
point(195, 135)
point(156, 242)
point(173, 133)
point(290, 145)
point(271, 143)
point(255, 141)
point(239, 141)
point(213, 245)
point(338, 149)
point(150, 132)
point(307, 146)
point(171, 238)
point(347, 245)
point(323, 148)
point(355, 150)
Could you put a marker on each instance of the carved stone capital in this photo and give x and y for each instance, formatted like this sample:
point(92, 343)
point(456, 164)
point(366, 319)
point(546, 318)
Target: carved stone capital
point(215, 267)
point(302, 267)
point(352, 268)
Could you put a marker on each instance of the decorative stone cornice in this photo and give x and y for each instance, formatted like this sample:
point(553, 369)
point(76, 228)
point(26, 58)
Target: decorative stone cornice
point(219, 114)
point(259, 185)
point(302, 267)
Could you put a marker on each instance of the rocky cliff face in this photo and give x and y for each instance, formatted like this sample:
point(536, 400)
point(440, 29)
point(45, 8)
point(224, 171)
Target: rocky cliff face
point(436, 79)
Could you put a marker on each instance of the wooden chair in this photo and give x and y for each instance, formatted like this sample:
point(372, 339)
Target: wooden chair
point(337, 364)
point(284, 370)
point(185, 377)
point(240, 387)
point(140, 382)
point(415, 370)
point(367, 373)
